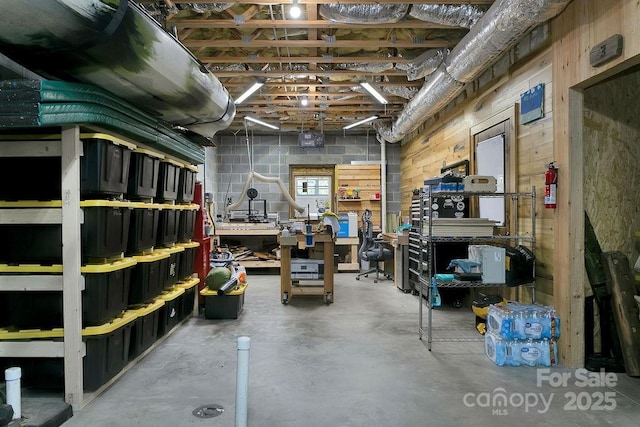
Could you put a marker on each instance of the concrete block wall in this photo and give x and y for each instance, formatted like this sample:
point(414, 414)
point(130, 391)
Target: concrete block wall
point(272, 156)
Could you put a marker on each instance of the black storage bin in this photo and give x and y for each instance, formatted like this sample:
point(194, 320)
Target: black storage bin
point(107, 354)
point(170, 311)
point(106, 295)
point(227, 306)
point(104, 166)
point(168, 179)
point(143, 227)
point(187, 222)
point(172, 265)
point(187, 186)
point(187, 300)
point(145, 328)
point(188, 260)
point(104, 169)
point(144, 171)
point(104, 234)
point(168, 225)
point(148, 276)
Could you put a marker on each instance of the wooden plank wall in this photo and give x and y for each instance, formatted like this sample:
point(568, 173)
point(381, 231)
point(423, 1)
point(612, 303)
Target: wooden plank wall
point(582, 25)
point(451, 141)
point(365, 178)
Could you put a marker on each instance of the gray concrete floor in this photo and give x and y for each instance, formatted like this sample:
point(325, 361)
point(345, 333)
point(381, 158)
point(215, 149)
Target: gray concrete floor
point(357, 362)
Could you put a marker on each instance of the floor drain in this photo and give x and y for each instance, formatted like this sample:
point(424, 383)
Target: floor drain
point(208, 411)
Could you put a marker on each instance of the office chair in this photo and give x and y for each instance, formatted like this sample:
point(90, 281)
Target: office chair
point(372, 249)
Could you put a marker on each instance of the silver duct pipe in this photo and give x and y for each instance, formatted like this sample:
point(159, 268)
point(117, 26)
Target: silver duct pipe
point(447, 14)
point(209, 7)
point(498, 30)
point(425, 64)
point(364, 13)
point(401, 91)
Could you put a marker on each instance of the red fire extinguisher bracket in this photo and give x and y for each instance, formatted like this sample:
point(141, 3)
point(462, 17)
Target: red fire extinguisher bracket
point(550, 186)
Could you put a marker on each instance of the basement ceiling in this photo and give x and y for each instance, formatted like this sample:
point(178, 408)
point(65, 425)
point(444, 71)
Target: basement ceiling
point(322, 56)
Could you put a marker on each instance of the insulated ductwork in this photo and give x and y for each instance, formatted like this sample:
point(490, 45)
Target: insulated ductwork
point(115, 45)
point(364, 13)
point(402, 92)
point(209, 7)
point(446, 14)
point(498, 30)
point(366, 67)
point(425, 64)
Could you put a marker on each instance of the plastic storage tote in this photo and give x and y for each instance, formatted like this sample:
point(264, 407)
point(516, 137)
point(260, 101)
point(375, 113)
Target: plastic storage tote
point(187, 264)
point(104, 166)
point(171, 266)
point(187, 222)
point(170, 311)
point(227, 306)
point(104, 169)
point(143, 227)
point(105, 233)
point(107, 354)
point(145, 328)
point(105, 295)
point(144, 171)
point(186, 188)
point(147, 278)
point(188, 301)
point(169, 179)
point(168, 225)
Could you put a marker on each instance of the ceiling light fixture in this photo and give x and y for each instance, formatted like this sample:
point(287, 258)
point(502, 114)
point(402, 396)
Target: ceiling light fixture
point(373, 92)
point(249, 92)
point(260, 122)
point(361, 122)
point(304, 101)
point(294, 10)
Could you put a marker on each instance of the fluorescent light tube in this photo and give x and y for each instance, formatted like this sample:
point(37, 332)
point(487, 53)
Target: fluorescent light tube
point(361, 122)
point(374, 92)
point(260, 122)
point(249, 92)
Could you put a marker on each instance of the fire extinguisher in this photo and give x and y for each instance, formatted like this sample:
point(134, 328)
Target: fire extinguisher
point(550, 186)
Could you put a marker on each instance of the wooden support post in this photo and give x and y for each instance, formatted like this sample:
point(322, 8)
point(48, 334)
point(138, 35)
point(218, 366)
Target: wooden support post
point(71, 259)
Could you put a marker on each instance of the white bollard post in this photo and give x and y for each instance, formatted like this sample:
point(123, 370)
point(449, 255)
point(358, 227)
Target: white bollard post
point(242, 381)
point(12, 377)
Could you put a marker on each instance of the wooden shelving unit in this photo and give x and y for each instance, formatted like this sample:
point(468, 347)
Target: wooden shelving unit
point(71, 282)
point(366, 179)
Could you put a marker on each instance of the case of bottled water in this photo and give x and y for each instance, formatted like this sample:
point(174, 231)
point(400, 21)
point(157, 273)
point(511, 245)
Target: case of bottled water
point(505, 352)
point(516, 321)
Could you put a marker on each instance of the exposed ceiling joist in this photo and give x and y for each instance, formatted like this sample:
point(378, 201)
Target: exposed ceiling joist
point(300, 23)
point(259, 43)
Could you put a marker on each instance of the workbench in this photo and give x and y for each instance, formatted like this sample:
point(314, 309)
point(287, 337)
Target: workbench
point(287, 291)
point(246, 232)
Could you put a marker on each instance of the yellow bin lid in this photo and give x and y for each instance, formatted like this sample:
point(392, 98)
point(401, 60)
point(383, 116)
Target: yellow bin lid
point(188, 245)
point(154, 256)
point(239, 290)
point(119, 264)
point(110, 138)
point(27, 334)
point(188, 284)
point(142, 310)
point(174, 293)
